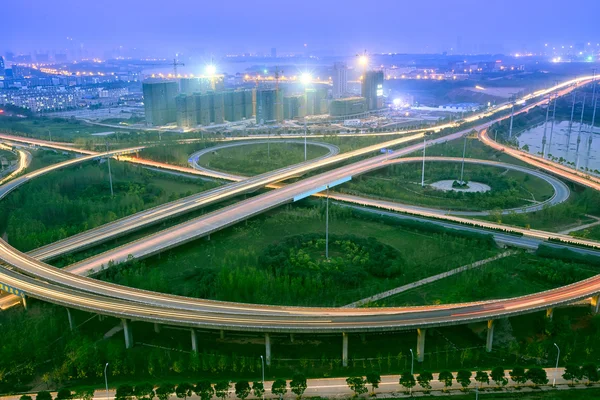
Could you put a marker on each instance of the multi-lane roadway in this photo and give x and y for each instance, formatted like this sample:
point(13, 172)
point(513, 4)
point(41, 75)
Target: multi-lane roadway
point(84, 293)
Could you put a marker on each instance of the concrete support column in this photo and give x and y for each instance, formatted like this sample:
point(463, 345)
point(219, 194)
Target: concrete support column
point(490, 336)
point(292, 337)
point(344, 349)
point(222, 334)
point(24, 302)
point(194, 340)
point(156, 328)
point(70, 319)
point(550, 313)
point(127, 333)
point(595, 304)
point(267, 349)
point(421, 344)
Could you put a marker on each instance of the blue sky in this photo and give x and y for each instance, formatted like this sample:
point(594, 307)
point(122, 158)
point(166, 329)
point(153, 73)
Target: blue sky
point(257, 25)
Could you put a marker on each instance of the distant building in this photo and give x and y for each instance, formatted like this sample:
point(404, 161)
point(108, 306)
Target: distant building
point(340, 80)
point(316, 100)
point(294, 107)
point(186, 111)
point(159, 102)
point(20, 71)
point(348, 107)
point(269, 106)
point(216, 107)
point(372, 89)
point(2, 68)
point(238, 105)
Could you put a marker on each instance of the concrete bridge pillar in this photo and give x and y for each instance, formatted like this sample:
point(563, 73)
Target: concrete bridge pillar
point(490, 335)
point(421, 344)
point(267, 349)
point(550, 313)
point(194, 340)
point(344, 349)
point(128, 334)
point(156, 328)
point(291, 337)
point(595, 304)
point(24, 302)
point(70, 320)
point(222, 334)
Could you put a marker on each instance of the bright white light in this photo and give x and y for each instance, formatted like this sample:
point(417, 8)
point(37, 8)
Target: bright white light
point(306, 78)
point(397, 102)
point(363, 60)
point(211, 69)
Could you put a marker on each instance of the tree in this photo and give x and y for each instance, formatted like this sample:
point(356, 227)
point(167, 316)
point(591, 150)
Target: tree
point(124, 392)
point(242, 389)
point(258, 388)
point(518, 375)
point(446, 378)
point(482, 377)
point(222, 389)
point(204, 390)
point(144, 391)
point(298, 385)
point(464, 378)
point(373, 379)
point(164, 391)
point(407, 380)
point(590, 372)
point(183, 390)
point(425, 379)
point(357, 384)
point(279, 388)
point(572, 373)
point(499, 376)
point(64, 394)
point(25, 397)
point(85, 394)
point(537, 376)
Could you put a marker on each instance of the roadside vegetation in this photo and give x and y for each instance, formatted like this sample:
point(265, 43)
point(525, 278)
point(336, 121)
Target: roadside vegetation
point(65, 202)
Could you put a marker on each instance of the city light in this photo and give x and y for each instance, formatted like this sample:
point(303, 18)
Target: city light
point(211, 69)
point(363, 60)
point(305, 78)
point(397, 102)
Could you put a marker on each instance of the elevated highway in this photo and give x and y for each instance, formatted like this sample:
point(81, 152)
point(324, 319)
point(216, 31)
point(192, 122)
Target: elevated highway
point(45, 282)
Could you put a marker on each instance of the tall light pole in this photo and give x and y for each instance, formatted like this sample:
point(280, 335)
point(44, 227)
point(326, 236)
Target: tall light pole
point(327, 225)
point(512, 114)
point(553, 120)
point(412, 364)
point(423, 170)
point(262, 361)
point(112, 193)
point(106, 380)
point(556, 368)
point(305, 133)
point(462, 168)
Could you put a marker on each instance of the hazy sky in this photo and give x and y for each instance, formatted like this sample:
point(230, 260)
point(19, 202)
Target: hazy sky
point(345, 26)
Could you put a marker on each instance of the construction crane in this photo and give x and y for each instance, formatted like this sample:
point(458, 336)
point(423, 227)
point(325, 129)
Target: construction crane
point(277, 76)
point(175, 64)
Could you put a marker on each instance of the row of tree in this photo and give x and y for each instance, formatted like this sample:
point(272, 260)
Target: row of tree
point(518, 375)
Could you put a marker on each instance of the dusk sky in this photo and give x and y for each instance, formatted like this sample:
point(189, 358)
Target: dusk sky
point(164, 27)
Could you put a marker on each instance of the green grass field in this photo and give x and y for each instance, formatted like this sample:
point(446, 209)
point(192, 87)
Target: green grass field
point(65, 202)
point(401, 183)
point(255, 159)
point(227, 267)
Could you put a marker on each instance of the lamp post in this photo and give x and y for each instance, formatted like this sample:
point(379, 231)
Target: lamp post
point(112, 194)
point(327, 225)
point(262, 361)
point(423, 171)
point(556, 368)
point(462, 169)
point(106, 380)
point(412, 364)
point(305, 133)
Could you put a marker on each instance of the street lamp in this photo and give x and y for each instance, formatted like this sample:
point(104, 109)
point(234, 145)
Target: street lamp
point(106, 380)
point(327, 225)
point(556, 368)
point(412, 364)
point(262, 361)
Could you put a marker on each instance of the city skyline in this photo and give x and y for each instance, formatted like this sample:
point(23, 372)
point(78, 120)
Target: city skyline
point(153, 29)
